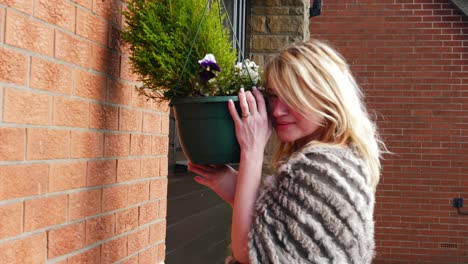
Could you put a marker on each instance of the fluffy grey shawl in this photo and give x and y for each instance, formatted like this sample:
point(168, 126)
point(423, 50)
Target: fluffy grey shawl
point(317, 209)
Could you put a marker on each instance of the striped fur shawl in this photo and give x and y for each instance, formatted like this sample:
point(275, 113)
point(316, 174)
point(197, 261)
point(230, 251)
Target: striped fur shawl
point(317, 209)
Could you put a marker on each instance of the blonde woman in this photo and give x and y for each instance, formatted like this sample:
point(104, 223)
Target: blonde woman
point(318, 208)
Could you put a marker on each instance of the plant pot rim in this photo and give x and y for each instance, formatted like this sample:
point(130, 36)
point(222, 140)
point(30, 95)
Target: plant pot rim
point(205, 99)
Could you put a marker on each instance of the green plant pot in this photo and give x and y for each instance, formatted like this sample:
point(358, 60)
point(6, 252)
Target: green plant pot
point(206, 129)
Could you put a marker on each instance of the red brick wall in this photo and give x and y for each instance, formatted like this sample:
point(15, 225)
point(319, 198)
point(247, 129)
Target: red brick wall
point(411, 58)
point(83, 159)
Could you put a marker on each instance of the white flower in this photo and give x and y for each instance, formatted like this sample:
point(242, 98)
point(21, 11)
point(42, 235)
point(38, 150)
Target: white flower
point(248, 69)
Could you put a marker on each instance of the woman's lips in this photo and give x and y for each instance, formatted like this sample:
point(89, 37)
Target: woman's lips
point(283, 125)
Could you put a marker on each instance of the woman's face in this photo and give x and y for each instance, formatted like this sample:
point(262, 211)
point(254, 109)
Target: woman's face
point(289, 124)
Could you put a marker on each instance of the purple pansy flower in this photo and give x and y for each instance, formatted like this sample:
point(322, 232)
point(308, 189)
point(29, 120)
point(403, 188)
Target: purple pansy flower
point(209, 65)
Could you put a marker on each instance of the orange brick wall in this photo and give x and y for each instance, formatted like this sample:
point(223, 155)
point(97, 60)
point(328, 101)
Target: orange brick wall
point(411, 58)
point(83, 159)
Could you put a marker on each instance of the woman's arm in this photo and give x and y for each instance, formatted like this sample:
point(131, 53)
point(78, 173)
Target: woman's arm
point(253, 131)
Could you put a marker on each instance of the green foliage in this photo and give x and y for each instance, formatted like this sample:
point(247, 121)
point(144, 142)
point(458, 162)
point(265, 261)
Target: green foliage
point(160, 34)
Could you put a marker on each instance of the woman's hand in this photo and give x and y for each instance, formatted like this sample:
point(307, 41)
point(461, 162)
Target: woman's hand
point(253, 128)
point(220, 178)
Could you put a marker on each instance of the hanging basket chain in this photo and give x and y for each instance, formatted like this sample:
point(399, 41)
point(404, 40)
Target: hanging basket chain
point(196, 35)
point(192, 45)
point(236, 40)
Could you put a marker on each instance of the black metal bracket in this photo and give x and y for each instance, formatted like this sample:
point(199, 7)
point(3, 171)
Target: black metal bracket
point(316, 8)
point(458, 203)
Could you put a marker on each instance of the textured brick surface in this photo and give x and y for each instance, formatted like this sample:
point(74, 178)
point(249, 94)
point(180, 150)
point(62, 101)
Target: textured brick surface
point(72, 49)
point(12, 147)
point(57, 12)
point(101, 172)
point(26, 107)
point(23, 180)
point(65, 176)
point(51, 76)
point(66, 239)
point(13, 66)
point(84, 204)
point(11, 215)
point(77, 151)
point(71, 112)
point(26, 33)
point(31, 249)
point(47, 144)
point(44, 212)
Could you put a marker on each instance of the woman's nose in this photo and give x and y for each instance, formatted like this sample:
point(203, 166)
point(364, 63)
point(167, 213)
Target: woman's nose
point(278, 108)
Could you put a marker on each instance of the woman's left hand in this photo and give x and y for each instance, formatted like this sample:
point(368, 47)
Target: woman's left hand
point(253, 128)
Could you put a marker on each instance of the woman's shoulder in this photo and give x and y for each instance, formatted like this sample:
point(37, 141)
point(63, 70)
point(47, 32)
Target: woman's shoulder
point(336, 161)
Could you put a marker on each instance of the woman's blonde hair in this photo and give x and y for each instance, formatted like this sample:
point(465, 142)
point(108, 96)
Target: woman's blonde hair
point(314, 79)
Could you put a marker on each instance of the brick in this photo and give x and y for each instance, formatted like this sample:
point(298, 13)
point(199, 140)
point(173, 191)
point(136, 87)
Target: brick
point(116, 42)
point(119, 93)
point(163, 170)
point(23, 32)
point(11, 215)
point(23, 180)
point(126, 70)
point(84, 204)
point(25, 6)
point(138, 240)
point(148, 212)
point(105, 61)
point(126, 220)
point(90, 85)
point(163, 208)
point(138, 193)
point(100, 228)
point(116, 144)
point(87, 144)
point(128, 169)
point(158, 189)
point(158, 231)
point(101, 172)
point(150, 167)
point(161, 252)
point(66, 239)
point(109, 10)
point(149, 255)
point(43, 212)
point(165, 125)
point(91, 27)
point(269, 43)
point(141, 101)
point(12, 147)
point(151, 123)
point(13, 67)
point(140, 145)
point(66, 176)
point(58, 12)
point(114, 198)
point(45, 144)
point(161, 106)
point(114, 250)
point(84, 3)
point(51, 76)
point(91, 256)
point(31, 249)
point(160, 145)
point(286, 24)
point(130, 120)
point(26, 107)
point(72, 49)
point(132, 260)
point(71, 112)
point(103, 117)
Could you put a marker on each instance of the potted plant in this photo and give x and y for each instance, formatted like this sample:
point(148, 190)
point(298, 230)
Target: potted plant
point(182, 52)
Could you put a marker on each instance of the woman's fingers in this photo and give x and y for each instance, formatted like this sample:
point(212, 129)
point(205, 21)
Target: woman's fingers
point(202, 181)
point(252, 104)
point(243, 103)
point(233, 112)
point(261, 105)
